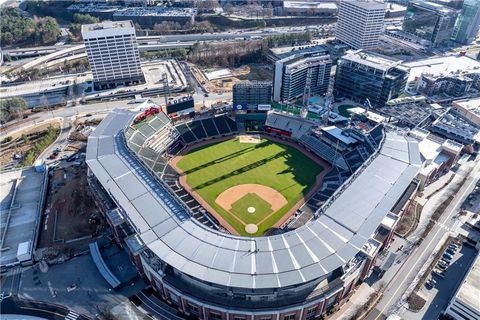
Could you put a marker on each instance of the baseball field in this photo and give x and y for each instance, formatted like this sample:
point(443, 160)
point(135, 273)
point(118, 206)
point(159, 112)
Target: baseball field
point(251, 186)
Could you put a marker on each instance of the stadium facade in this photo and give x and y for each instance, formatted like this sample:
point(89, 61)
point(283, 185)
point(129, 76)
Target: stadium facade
point(207, 273)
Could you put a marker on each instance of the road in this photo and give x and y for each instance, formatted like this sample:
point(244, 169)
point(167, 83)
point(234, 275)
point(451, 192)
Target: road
point(42, 310)
point(242, 33)
point(101, 108)
point(391, 301)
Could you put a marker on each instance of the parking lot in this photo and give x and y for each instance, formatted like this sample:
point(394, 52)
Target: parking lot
point(440, 294)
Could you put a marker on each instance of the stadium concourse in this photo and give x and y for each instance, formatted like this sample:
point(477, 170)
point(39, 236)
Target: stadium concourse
point(303, 271)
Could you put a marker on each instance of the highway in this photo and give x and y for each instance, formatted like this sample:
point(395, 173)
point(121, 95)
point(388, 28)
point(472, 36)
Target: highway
point(392, 300)
point(248, 34)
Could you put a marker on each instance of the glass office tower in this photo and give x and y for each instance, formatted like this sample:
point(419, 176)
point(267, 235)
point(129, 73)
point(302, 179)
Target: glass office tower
point(430, 21)
point(362, 75)
point(468, 22)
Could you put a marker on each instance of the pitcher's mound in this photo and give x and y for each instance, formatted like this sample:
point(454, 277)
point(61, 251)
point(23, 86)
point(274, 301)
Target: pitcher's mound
point(251, 228)
point(251, 209)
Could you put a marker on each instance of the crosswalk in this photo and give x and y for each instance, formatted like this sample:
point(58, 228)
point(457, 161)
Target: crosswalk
point(72, 315)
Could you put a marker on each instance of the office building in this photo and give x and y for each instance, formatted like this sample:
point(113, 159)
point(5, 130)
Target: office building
point(468, 22)
point(430, 21)
point(252, 93)
point(450, 71)
point(455, 85)
point(360, 23)
point(469, 108)
point(112, 53)
point(454, 4)
point(362, 75)
point(295, 73)
point(455, 126)
point(465, 304)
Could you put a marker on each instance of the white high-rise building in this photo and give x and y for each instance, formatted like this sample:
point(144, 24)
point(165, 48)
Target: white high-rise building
point(112, 52)
point(360, 23)
point(300, 72)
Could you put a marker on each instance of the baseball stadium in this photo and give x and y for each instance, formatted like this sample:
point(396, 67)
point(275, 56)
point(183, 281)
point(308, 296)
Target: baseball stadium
point(282, 222)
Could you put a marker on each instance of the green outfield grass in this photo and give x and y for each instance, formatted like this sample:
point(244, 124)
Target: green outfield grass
point(214, 168)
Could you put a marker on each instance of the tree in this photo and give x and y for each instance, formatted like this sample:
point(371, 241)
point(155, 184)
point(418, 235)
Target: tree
point(12, 108)
point(85, 18)
point(50, 30)
point(79, 19)
point(15, 27)
point(19, 29)
point(204, 27)
point(268, 11)
point(166, 27)
point(75, 29)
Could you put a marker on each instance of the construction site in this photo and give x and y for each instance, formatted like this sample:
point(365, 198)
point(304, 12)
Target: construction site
point(71, 218)
point(222, 80)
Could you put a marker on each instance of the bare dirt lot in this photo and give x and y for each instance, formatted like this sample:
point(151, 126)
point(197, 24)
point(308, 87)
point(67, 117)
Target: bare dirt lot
point(71, 212)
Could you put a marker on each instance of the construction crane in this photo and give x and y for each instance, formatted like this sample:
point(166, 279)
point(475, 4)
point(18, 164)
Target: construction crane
point(166, 88)
point(307, 92)
point(367, 105)
point(328, 106)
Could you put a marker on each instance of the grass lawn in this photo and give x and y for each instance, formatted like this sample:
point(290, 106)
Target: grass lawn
point(262, 208)
point(214, 168)
point(343, 110)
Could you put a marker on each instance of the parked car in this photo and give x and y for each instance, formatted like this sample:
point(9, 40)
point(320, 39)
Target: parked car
point(443, 263)
point(441, 267)
point(450, 251)
point(438, 273)
point(431, 283)
point(447, 256)
point(452, 246)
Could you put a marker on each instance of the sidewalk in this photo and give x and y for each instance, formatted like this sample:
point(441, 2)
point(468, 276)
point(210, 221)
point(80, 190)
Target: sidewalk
point(436, 193)
point(357, 301)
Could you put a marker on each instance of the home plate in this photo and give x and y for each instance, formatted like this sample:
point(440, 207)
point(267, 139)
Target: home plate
point(251, 209)
point(251, 228)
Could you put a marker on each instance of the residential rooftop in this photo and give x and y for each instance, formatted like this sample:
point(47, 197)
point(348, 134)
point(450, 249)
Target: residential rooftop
point(284, 52)
point(372, 60)
point(368, 4)
point(472, 105)
point(107, 25)
point(441, 65)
